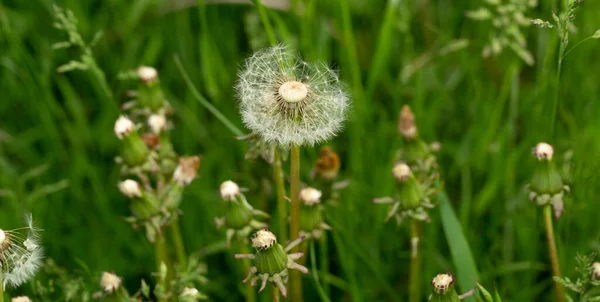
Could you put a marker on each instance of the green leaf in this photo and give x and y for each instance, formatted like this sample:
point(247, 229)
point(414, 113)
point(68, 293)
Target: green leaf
point(463, 259)
point(497, 296)
point(484, 294)
point(596, 35)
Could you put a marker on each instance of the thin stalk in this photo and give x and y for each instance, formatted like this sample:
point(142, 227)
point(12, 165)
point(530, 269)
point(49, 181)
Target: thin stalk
point(275, 293)
point(160, 252)
point(560, 291)
point(249, 289)
point(266, 22)
point(281, 202)
point(414, 289)
point(296, 278)
point(1, 288)
point(556, 96)
point(178, 242)
point(324, 260)
point(315, 273)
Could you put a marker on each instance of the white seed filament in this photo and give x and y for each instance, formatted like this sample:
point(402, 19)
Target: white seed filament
point(263, 239)
point(293, 91)
point(2, 237)
point(442, 282)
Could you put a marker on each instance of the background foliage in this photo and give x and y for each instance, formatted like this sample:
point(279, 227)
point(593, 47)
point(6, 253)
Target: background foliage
point(56, 133)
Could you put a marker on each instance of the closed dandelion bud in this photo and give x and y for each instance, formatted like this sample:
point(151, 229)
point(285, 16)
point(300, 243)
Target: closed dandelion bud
point(134, 150)
point(272, 261)
point(414, 148)
point(112, 291)
point(185, 172)
point(443, 289)
point(20, 299)
point(21, 254)
point(328, 164)
point(157, 123)
point(143, 204)
point(547, 187)
point(410, 193)
point(287, 101)
point(596, 270)
point(311, 213)
point(149, 93)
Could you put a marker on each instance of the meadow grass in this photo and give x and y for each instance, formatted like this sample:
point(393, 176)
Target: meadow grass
point(57, 147)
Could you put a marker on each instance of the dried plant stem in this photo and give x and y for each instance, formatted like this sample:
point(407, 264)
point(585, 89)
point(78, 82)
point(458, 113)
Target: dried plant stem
point(275, 293)
point(296, 278)
point(249, 290)
point(160, 251)
point(415, 261)
point(281, 202)
point(560, 291)
point(178, 242)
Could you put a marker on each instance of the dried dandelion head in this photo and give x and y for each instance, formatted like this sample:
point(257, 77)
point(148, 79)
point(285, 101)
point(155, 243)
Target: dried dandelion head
point(187, 169)
point(328, 164)
point(21, 254)
point(406, 123)
point(288, 101)
point(443, 288)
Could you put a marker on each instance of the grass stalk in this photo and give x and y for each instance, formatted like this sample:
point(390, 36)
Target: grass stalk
point(249, 289)
point(296, 278)
point(160, 252)
point(262, 12)
point(178, 242)
point(414, 289)
point(281, 202)
point(553, 253)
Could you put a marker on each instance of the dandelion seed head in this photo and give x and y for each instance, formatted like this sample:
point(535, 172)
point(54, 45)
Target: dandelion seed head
point(123, 126)
point(21, 254)
point(442, 282)
point(287, 101)
point(2, 237)
point(157, 123)
point(130, 188)
point(401, 171)
point(147, 73)
point(543, 151)
point(310, 196)
point(110, 282)
point(263, 239)
point(229, 190)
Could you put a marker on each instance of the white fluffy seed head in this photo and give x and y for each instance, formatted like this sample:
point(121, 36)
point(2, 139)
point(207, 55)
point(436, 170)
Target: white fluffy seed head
point(110, 282)
point(2, 236)
point(123, 126)
point(310, 196)
point(401, 171)
point(442, 282)
point(189, 292)
point(287, 101)
point(263, 239)
point(157, 123)
point(130, 188)
point(229, 190)
point(147, 74)
point(543, 151)
point(20, 299)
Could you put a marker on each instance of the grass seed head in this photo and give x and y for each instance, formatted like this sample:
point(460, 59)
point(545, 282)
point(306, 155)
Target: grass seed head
point(288, 101)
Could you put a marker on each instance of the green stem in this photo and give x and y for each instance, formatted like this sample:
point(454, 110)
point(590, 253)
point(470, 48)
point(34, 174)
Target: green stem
point(315, 273)
point(296, 278)
point(556, 97)
point(249, 289)
point(178, 242)
point(415, 262)
point(574, 46)
point(1, 288)
point(266, 23)
point(281, 202)
point(275, 293)
point(160, 252)
point(324, 260)
point(560, 291)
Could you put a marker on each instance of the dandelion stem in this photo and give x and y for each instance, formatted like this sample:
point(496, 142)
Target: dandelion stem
point(249, 290)
point(560, 291)
point(281, 202)
point(275, 293)
point(1, 288)
point(178, 242)
point(324, 259)
point(296, 278)
point(160, 251)
point(415, 261)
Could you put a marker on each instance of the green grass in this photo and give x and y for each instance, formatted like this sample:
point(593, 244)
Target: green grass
point(487, 114)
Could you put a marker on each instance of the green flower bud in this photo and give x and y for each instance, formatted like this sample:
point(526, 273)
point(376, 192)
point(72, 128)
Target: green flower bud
point(311, 211)
point(271, 260)
point(443, 289)
point(143, 204)
point(134, 150)
point(410, 193)
point(149, 93)
point(112, 289)
point(414, 148)
point(546, 178)
point(237, 216)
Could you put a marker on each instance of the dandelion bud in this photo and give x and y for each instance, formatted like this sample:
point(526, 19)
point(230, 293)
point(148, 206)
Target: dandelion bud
point(443, 289)
point(406, 123)
point(186, 170)
point(287, 101)
point(157, 123)
point(328, 164)
point(130, 188)
point(20, 299)
point(311, 213)
point(401, 172)
point(133, 151)
point(547, 187)
point(310, 196)
point(596, 270)
point(229, 190)
point(123, 126)
point(110, 282)
point(147, 74)
point(271, 261)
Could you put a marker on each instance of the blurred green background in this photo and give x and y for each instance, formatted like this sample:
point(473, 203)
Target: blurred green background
point(56, 132)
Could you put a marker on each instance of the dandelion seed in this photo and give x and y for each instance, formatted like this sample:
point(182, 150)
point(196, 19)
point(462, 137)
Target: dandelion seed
point(21, 254)
point(287, 101)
